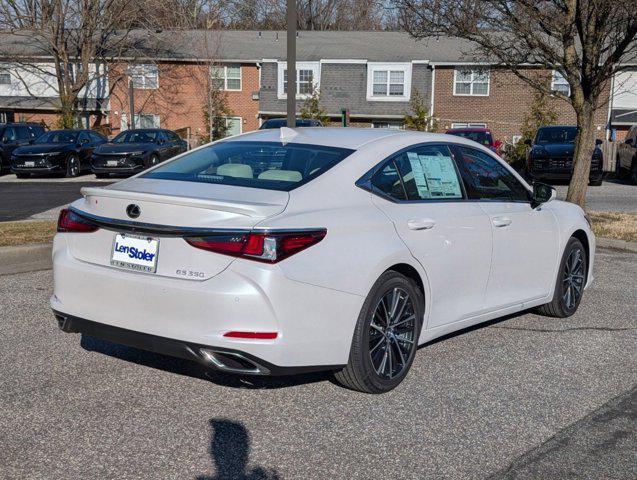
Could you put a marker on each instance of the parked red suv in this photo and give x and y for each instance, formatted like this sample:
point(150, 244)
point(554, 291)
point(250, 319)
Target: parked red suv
point(481, 135)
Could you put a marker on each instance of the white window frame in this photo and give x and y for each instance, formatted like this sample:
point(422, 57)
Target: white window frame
point(224, 77)
point(239, 120)
point(468, 125)
point(404, 67)
point(474, 72)
point(389, 124)
point(316, 76)
point(124, 120)
point(558, 79)
point(144, 71)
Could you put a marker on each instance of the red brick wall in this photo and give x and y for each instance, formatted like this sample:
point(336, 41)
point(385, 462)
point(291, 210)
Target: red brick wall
point(180, 99)
point(504, 109)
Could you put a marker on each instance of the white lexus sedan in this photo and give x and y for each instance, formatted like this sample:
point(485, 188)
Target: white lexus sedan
point(293, 250)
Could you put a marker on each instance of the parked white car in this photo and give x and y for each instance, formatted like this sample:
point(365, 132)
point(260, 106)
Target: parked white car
point(292, 250)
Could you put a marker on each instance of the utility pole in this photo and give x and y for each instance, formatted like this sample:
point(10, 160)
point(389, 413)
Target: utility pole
point(131, 101)
point(291, 62)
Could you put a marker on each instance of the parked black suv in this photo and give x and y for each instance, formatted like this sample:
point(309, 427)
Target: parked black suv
point(14, 135)
point(65, 152)
point(135, 150)
point(627, 156)
point(551, 155)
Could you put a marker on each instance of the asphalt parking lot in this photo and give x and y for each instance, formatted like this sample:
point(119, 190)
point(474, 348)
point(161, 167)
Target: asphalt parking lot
point(527, 397)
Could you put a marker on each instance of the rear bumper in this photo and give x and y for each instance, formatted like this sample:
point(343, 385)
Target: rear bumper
point(314, 324)
point(218, 358)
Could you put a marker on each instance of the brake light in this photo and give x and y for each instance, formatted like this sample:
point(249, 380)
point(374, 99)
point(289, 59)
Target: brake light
point(69, 222)
point(269, 247)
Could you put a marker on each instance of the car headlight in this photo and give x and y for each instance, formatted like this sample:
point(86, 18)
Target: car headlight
point(538, 151)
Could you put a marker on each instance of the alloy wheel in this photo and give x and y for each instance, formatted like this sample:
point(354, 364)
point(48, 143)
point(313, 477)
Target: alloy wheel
point(573, 280)
point(392, 333)
point(74, 166)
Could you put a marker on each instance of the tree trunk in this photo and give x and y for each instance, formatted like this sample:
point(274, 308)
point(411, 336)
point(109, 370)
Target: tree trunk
point(584, 147)
point(67, 112)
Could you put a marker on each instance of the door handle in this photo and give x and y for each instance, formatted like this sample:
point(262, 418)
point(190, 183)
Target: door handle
point(423, 224)
point(501, 221)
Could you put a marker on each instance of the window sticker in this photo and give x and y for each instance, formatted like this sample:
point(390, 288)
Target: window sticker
point(435, 176)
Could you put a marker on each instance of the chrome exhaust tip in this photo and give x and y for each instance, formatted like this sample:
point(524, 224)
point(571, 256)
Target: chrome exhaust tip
point(232, 362)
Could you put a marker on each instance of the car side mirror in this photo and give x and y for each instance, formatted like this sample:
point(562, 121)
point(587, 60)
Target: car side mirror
point(629, 141)
point(528, 142)
point(542, 193)
point(598, 142)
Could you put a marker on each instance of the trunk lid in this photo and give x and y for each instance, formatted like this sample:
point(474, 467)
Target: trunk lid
point(178, 205)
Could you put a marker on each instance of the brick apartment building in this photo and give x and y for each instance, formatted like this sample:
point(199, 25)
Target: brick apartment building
point(372, 75)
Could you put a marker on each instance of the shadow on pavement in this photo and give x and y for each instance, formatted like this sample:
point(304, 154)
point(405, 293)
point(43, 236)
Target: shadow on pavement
point(229, 450)
point(193, 369)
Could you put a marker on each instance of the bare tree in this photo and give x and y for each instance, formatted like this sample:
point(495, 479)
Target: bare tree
point(80, 36)
point(584, 40)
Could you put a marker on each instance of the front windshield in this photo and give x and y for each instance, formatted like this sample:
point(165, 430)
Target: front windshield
point(132, 136)
point(483, 138)
point(267, 165)
point(58, 137)
point(556, 135)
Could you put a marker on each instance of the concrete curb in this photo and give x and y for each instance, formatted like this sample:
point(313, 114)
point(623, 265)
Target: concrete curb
point(29, 258)
point(25, 258)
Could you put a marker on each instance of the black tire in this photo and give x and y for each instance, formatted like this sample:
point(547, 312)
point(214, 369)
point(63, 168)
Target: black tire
point(360, 373)
point(558, 307)
point(22, 175)
point(632, 177)
point(73, 166)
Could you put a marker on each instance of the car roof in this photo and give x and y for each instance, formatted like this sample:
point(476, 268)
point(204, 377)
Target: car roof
point(469, 129)
point(348, 137)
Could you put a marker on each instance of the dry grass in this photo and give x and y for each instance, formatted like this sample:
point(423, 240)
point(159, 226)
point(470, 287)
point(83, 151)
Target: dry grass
point(615, 225)
point(21, 233)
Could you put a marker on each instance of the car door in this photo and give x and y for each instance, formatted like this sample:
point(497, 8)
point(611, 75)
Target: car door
point(86, 149)
point(525, 239)
point(173, 140)
point(9, 141)
point(163, 145)
point(627, 149)
point(420, 190)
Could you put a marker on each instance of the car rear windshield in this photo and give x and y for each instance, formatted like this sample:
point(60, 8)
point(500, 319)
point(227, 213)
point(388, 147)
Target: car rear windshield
point(266, 165)
point(556, 135)
point(483, 138)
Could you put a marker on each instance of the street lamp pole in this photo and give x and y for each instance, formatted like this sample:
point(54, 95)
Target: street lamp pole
point(291, 63)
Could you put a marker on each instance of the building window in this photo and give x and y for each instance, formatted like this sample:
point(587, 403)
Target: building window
point(142, 120)
point(227, 77)
point(388, 81)
point(468, 125)
point(307, 79)
point(471, 82)
point(5, 78)
point(391, 125)
point(144, 76)
point(560, 84)
point(233, 126)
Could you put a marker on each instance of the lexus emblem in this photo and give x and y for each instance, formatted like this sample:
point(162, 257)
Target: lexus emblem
point(133, 211)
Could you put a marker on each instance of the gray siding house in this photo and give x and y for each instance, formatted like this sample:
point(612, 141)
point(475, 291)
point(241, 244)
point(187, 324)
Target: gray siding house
point(362, 72)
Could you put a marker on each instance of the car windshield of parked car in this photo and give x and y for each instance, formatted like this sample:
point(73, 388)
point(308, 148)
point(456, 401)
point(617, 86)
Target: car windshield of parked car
point(135, 137)
point(556, 135)
point(266, 165)
point(282, 122)
point(58, 137)
point(483, 138)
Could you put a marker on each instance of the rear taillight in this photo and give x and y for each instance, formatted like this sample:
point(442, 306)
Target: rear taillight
point(270, 247)
point(71, 222)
